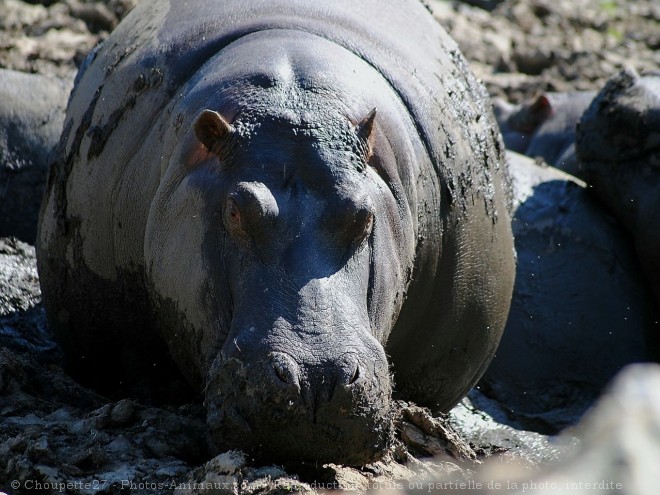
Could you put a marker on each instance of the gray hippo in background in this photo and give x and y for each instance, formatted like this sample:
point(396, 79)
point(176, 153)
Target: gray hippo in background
point(31, 115)
point(618, 145)
point(581, 309)
point(544, 127)
point(294, 197)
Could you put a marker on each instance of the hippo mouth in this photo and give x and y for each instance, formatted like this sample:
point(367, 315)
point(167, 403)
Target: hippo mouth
point(352, 425)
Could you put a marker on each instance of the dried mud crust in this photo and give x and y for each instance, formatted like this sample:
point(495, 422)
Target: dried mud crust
point(54, 37)
point(518, 48)
point(56, 435)
point(526, 46)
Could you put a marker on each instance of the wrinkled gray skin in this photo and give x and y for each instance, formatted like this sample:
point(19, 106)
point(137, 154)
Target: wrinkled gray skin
point(544, 127)
point(581, 309)
point(618, 144)
point(223, 185)
point(31, 115)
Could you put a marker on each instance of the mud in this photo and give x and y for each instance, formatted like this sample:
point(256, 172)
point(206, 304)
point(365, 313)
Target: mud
point(55, 432)
point(523, 47)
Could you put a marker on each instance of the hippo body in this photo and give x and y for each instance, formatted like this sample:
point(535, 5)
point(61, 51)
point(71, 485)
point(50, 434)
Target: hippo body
point(544, 127)
point(279, 195)
point(31, 115)
point(581, 309)
point(618, 145)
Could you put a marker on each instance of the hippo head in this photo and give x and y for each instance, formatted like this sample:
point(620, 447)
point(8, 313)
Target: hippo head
point(291, 219)
point(301, 373)
point(618, 143)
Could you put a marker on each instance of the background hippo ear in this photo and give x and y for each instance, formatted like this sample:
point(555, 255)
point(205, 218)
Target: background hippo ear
point(365, 132)
point(541, 107)
point(213, 131)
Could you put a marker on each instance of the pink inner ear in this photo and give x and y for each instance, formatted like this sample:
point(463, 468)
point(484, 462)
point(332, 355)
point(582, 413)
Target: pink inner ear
point(195, 153)
point(542, 106)
point(212, 130)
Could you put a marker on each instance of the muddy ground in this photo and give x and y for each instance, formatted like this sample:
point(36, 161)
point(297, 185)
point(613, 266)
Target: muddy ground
point(56, 436)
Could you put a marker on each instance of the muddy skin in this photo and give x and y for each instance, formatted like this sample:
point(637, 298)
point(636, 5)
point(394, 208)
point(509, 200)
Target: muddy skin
point(581, 309)
point(304, 222)
point(31, 114)
point(544, 127)
point(619, 150)
point(300, 343)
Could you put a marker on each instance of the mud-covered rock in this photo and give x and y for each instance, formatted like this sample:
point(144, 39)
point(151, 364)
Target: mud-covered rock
point(58, 433)
point(486, 424)
point(619, 447)
point(54, 37)
point(22, 319)
point(433, 436)
point(229, 473)
point(54, 431)
point(526, 46)
point(232, 473)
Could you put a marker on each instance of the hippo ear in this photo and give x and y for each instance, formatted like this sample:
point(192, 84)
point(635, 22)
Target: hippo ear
point(213, 131)
point(541, 107)
point(365, 133)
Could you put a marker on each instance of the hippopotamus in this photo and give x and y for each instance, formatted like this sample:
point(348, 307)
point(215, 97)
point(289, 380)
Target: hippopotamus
point(544, 127)
point(293, 202)
point(618, 145)
point(31, 115)
point(581, 309)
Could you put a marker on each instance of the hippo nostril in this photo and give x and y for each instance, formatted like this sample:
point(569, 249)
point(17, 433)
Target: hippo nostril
point(356, 375)
point(286, 370)
point(284, 374)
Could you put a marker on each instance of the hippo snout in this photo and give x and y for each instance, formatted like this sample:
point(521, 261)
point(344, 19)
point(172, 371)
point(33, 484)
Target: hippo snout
point(281, 406)
point(286, 372)
point(316, 384)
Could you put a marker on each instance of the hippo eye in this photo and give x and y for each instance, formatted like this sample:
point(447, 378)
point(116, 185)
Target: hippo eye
point(232, 215)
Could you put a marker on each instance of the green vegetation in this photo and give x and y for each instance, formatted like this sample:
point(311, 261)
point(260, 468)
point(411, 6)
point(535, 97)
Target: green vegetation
point(609, 6)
